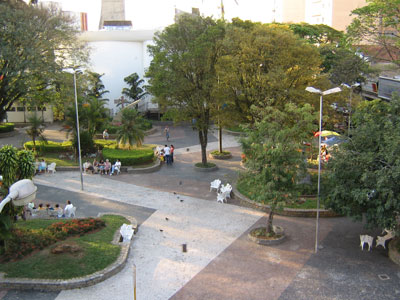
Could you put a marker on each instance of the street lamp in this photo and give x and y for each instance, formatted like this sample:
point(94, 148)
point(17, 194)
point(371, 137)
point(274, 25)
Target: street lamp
point(351, 96)
point(20, 193)
point(73, 71)
point(321, 93)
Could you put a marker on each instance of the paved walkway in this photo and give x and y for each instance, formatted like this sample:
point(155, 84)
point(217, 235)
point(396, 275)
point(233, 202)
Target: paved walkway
point(174, 207)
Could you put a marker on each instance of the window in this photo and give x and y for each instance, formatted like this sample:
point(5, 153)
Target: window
point(31, 108)
point(41, 108)
point(11, 109)
point(20, 108)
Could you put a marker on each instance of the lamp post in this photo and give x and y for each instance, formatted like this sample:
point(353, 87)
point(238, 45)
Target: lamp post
point(73, 71)
point(20, 193)
point(351, 97)
point(321, 93)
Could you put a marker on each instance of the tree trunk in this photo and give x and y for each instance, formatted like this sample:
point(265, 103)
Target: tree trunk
point(203, 144)
point(220, 138)
point(270, 228)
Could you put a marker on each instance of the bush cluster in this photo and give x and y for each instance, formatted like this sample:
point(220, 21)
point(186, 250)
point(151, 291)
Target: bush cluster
point(50, 147)
point(6, 127)
point(129, 157)
point(24, 241)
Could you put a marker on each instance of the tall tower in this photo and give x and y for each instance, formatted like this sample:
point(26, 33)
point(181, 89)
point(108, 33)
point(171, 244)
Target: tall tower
point(112, 12)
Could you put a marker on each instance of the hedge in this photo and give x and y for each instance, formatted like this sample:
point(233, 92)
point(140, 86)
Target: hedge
point(129, 157)
point(50, 147)
point(6, 127)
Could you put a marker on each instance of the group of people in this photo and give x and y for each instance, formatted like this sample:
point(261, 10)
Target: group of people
point(166, 154)
point(102, 167)
point(61, 213)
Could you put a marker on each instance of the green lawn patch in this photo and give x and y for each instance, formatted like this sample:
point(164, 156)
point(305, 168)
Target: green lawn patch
point(6, 127)
point(96, 253)
point(54, 157)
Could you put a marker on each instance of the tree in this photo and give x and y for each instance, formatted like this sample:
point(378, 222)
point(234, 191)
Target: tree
point(317, 34)
point(378, 24)
point(364, 172)
point(265, 65)
point(35, 44)
point(182, 73)
point(134, 92)
point(36, 129)
point(274, 157)
point(95, 87)
point(130, 131)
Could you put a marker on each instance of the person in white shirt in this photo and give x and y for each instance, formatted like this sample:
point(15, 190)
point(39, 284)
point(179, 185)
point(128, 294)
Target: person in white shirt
point(68, 209)
point(116, 167)
point(167, 153)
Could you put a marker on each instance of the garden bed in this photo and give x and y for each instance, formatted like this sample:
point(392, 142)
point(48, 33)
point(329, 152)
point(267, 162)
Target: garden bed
point(220, 155)
point(210, 167)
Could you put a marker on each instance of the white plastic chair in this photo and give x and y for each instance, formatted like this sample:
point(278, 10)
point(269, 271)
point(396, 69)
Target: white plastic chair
point(381, 240)
point(51, 167)
point(226, 189)
point(215, 184)
point(126, 232)
point(366, 239)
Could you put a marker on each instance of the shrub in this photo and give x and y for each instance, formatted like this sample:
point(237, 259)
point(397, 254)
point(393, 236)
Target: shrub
point(87, 144)
point(146, 124)
point(50, 147)
point(129, 157)
point(6, 127)
point(100, 144)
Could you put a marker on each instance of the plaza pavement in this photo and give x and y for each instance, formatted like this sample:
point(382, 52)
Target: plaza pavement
point(221, 263)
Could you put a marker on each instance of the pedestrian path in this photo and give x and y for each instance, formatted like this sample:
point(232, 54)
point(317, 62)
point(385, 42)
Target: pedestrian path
point(207, 228)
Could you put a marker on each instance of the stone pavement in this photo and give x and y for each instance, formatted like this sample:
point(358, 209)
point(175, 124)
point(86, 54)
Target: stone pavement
point(221, 263)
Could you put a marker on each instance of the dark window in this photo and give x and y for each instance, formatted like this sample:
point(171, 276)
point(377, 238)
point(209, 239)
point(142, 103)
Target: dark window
point(11, 109)
point(31, 108)
point(20, 108)
point(41, 108)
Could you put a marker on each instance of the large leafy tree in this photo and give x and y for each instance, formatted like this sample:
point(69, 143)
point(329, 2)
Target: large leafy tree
point(35, 44)
point(265, 65)
point(365, 172)
point(182, 73)
point(274, 157)
point(378, 23)
point(134, 91)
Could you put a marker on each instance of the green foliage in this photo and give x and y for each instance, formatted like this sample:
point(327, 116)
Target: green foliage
point(26, 164)
point(129, 157)
point(6, 127)
point(274, 161)
point(365, 171)
point(130, 131)
point(274, 71)
point(86, 142)
point(8, 164)
point(35, 44)
point(182, 73)
point(50, 146)
point(36, 129)
point(378, 23)
point(134, 92)
point(317, 34)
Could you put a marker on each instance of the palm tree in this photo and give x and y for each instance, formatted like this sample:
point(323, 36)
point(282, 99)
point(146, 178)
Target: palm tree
point(134, 92)
point(130, 131)
point(36, 129)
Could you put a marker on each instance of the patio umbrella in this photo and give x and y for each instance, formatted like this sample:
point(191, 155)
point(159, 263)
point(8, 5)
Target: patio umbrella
point(326, 133)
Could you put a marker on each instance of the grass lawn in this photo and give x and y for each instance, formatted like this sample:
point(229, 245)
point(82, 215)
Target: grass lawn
point(96, 253)
point(54, 157)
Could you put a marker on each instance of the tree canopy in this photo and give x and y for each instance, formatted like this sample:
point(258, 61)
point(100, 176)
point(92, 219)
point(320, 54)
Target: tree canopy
point(364, 173)
point(378, 23)
point(35, 43)
point(182, 73)
point(134, 91)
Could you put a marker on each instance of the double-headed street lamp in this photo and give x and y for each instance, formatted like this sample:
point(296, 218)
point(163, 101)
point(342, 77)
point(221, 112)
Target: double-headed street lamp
point(351, 97)
point(321, 93)
point(73, 71)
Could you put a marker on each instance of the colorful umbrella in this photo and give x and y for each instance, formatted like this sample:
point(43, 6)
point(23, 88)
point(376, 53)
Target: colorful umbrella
point(326, 133)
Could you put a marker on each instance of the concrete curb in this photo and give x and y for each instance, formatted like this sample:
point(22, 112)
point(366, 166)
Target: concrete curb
point(267, 242)
point(79, 282)
point(289, 212)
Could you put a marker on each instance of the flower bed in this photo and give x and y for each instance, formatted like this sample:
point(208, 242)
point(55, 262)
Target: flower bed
point(24, 241)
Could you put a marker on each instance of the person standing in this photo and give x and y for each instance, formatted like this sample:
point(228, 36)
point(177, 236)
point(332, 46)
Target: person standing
point(166, 131)
point(167, 154)
point(105, 134)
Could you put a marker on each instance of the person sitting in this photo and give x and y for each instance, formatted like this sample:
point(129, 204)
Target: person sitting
point(95, 166)
point(41, 207)
point(60, 211)
point(42, 166)
point(116, 167)
point(107, 167)
point(48, 207)
point(101, 166)
point(88, 168)
point(68, 210)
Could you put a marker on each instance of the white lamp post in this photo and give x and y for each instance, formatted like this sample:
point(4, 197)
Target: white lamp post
point(20, 193)
point(321, 93)
point(351, 96)
point(73, 71)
